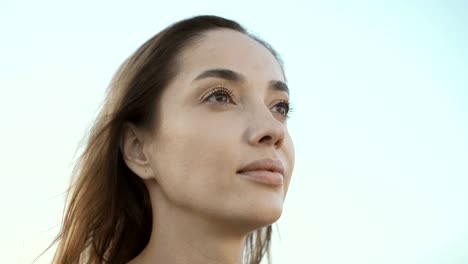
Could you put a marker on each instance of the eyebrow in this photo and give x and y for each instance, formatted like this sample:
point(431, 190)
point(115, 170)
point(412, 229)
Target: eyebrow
point(238, 77)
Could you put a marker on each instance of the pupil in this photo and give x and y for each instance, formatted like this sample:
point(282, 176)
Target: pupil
point(282, 110)
point(220, 98)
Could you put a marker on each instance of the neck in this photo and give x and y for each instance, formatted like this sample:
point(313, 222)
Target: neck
point(179, 236)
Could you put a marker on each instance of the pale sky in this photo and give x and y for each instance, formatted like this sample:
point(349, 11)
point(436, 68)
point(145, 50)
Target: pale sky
point(380, 121)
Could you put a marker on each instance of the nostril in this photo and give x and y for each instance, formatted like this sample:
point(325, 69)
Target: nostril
point(265, 139)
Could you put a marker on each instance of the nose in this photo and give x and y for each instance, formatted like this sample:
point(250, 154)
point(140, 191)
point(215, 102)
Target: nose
point(265, 129)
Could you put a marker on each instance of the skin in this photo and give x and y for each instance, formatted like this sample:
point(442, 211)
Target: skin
point(202, 208)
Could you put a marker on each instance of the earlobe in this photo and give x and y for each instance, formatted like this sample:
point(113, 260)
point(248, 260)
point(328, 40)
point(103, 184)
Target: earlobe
point(133, 148)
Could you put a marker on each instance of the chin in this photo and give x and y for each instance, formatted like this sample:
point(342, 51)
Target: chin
point(260, 214)
point(267, 216)
point(261, 204)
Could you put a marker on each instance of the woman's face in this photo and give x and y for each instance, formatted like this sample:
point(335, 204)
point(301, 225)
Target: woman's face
point(223, 111)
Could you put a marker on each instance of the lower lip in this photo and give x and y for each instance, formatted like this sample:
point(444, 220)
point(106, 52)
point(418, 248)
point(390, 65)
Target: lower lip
point(263, 176)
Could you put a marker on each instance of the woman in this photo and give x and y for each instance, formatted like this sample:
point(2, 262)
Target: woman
point(190, 158)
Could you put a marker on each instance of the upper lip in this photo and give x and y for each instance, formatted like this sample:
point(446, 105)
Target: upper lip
point(264, 164)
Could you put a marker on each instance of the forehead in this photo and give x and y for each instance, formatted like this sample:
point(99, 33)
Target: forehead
point(232, 50)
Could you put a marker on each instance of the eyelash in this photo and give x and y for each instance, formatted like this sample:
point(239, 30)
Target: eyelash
point(220, 89)
point(228, 92)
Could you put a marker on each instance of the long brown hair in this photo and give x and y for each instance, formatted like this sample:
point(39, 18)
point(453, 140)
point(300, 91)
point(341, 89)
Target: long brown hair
point(108, 217)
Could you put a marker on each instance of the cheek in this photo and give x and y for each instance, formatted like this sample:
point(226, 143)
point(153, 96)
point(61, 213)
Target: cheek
point(289, 157)
point(196, 158)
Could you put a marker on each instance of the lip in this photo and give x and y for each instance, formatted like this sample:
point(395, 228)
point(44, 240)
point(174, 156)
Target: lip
point(266, 171)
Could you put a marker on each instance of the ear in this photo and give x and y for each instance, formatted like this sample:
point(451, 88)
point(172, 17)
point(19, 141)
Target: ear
point(135, 148)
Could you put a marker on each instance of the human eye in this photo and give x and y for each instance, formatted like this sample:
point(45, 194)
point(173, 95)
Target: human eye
point(282, 107)
point(220, 95)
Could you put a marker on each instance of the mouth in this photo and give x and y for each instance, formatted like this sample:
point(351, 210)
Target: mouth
point(266, 171)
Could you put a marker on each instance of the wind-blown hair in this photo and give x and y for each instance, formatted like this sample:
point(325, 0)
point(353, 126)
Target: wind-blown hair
point(108, 216)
